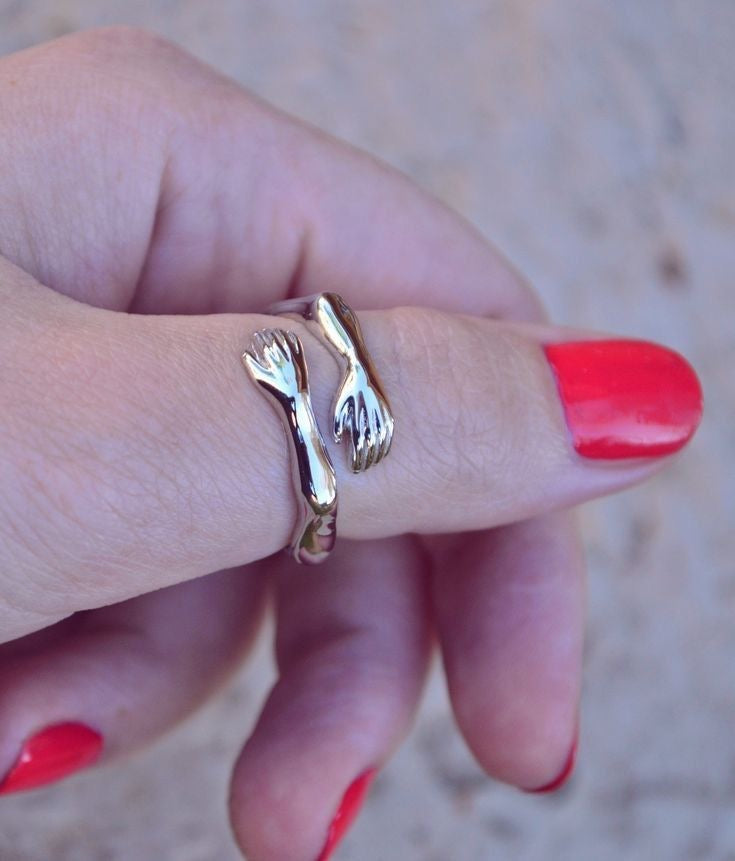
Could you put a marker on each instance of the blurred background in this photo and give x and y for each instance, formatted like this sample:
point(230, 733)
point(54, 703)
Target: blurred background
point(594, 143)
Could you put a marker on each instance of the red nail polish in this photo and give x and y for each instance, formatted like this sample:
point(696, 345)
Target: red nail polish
point(350, 806)
point(51, 754)
point(626, 398)
point(563, 775)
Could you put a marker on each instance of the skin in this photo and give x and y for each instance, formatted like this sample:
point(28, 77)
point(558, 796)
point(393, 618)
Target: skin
point(141, 194)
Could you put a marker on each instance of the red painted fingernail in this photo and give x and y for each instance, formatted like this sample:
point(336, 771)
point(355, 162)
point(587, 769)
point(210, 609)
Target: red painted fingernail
point(626, 398)
point(52, 754)
point(563, 775)
point(350, 806)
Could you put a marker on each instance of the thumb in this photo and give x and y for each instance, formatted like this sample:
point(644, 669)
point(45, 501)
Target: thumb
point(135, 451)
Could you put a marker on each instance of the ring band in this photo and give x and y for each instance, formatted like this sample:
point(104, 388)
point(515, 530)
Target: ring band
point(360, 408)
point(276, 363)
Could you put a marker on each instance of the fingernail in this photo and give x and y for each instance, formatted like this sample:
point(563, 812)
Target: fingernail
point(347, 812)
point(563, 775)
point(51, 754)
point(626, 398)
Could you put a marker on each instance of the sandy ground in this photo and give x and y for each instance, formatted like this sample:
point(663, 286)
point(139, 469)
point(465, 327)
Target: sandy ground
point(593, 142)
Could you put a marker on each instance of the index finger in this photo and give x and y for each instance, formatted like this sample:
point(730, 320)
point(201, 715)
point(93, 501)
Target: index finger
point(199, 197)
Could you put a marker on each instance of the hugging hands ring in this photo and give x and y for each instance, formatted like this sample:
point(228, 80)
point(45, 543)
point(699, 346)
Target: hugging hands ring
point(360, 409)
point(277, 364)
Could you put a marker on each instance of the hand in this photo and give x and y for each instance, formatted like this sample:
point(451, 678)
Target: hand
point(150, 208)
point(277, 364)
point(362, 414)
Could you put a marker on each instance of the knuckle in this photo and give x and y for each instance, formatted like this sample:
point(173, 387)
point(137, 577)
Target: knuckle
point(128, 71)
point(122, 78)
point(121, 43)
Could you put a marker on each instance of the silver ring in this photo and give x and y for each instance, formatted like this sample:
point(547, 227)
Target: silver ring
point(275, 362)
point(360, 408)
